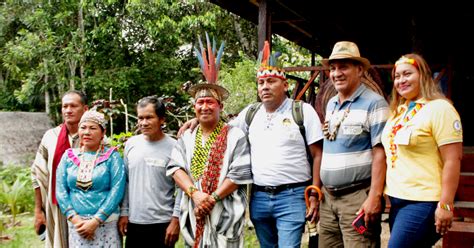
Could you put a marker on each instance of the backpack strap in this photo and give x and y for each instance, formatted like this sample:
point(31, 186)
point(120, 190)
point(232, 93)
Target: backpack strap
point(298, 118)
point(251, 112)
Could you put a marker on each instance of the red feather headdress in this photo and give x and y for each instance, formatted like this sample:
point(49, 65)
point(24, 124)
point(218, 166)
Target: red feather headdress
point(209, 61)
point(268, 64)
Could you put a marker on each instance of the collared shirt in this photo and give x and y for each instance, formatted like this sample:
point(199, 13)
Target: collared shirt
point(417, 171)
point(277, 149)
point(348, 158)
point(150, 194)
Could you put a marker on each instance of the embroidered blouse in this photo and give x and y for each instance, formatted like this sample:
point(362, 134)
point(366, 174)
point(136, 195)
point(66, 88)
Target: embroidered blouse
point(108, 185)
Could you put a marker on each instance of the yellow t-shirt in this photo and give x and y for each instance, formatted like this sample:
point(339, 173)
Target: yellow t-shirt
point(417, 171)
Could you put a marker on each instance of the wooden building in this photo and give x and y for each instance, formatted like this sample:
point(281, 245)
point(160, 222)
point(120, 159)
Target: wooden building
point(439, 32)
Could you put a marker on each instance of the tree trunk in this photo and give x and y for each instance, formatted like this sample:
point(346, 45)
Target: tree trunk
point(47, 101)
point(238, 31)
point(72, 70)
point(80, 23)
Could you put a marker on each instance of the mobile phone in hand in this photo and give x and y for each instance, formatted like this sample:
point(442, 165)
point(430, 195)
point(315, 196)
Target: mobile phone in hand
point(42, 232)
point(359, 223)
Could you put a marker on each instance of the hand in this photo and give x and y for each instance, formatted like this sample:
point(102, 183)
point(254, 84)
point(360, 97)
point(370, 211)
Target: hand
point(312, 213)
point(172, 232)
point(40, 220)
point(372, 207)
point(87, 228)
point(76, 219)
point(191, 124)
point(204, 203)
point(443, 220)
point(122, 225)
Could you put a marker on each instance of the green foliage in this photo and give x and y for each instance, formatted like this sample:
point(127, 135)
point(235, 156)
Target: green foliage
point(118, 140)
point(16, 193)
point(22, 234)
point(240, 81)
point(136, 48)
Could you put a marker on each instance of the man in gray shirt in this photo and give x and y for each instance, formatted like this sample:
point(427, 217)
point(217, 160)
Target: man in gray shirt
point(149, 211)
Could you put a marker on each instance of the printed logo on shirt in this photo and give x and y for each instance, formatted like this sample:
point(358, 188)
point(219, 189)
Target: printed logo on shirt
point(457, 127)
point(155, 162)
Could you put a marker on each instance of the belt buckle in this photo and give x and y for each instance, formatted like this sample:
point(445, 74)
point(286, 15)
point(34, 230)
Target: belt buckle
point(271, 189)
point(334, 191)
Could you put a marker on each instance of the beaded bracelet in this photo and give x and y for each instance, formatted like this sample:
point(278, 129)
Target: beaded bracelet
point(97, 219)
point(216, 196)
point(191, 190)
point(449, 207)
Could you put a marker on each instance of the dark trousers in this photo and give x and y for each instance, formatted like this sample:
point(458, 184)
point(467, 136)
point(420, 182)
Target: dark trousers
point(412, 223)
point(153, 235)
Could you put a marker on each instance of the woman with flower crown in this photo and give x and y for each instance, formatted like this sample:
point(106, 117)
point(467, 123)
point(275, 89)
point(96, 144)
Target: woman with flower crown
point(90, 186)
point(423, 144)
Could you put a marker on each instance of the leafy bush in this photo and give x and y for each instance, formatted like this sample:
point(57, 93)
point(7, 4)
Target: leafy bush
point(118, 140)
point(16, 193)
point(240, 81)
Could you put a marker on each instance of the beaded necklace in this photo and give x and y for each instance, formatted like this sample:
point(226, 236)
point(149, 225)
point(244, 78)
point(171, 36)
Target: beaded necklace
point(86, 167)
point(200, 155)
point(331, 135)
point(396, 127)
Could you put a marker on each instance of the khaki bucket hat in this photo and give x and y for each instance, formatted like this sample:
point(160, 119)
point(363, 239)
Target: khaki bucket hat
point(346, 50)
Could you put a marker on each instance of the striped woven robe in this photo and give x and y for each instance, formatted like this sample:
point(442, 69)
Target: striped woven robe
point(41, 174)
point(224, 226)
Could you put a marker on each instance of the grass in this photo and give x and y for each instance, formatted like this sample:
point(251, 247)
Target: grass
point(21, 235)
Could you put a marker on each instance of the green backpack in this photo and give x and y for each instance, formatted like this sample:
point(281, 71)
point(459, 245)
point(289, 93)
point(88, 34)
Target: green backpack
point(298, 118)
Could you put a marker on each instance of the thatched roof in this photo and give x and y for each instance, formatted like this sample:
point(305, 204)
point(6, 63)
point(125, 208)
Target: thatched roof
point(20, 135)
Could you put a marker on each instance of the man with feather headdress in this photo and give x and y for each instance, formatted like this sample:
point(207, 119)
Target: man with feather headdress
point(280, 167)
point(211, 165)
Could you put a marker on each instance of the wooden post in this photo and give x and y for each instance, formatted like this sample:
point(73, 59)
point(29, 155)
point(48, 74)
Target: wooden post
point(126, 115)
point(264, 24)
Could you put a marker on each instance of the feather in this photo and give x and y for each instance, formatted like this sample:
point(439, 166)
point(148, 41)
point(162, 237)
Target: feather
point(200, 43)
point(212, 62)
point(266, 53)
point(259, 59)
point(208, 61)
point(214, 46)
point(199, 57)
point(205, 67)
point(219, 55)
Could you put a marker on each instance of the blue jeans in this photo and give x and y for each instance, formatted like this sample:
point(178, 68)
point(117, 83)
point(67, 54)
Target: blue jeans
point(412, 223)
point(279, 219)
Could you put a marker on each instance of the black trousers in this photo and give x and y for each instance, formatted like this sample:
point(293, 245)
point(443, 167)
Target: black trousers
point(152, 235)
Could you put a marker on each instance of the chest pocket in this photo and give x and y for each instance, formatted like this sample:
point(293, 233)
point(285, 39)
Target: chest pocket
point(352, 133)
point(156, 163)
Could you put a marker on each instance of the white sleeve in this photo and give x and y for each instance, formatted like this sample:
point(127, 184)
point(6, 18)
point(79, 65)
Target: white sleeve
point(312, 124)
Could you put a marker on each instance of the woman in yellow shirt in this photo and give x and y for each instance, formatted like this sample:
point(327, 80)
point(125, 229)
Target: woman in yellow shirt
point(423, 145)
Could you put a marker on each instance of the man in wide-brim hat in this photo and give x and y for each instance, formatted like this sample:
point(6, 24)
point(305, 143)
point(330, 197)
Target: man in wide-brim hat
point(353, 163)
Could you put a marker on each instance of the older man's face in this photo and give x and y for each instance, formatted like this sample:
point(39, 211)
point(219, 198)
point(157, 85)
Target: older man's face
point(207, 110)
point(345, 75)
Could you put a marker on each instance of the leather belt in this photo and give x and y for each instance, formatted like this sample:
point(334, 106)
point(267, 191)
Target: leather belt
point(279, 188)
point(344, 190)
